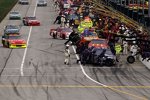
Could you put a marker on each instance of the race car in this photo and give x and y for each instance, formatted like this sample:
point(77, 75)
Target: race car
point(13, 41)
point(41, 3)
point(11, 29)
point(31, 21)
point(88, 35)
point(98, 43)
point(24, 2)
point(61, 32)
point(98, 56)
point(107, 59)
point(14, 15)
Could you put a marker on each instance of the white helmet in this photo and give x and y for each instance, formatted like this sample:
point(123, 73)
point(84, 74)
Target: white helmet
point(134, 42)
point(67, 45)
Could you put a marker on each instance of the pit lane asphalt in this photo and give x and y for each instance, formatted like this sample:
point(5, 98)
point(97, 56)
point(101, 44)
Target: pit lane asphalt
point(47, 78)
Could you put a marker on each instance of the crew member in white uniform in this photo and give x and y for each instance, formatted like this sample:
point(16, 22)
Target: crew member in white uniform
point(134, 50)
point(67, 55)
point(125, 47)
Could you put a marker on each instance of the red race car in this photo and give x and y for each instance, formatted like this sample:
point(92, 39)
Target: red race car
point(99, 43)
point(31, 21)
point(61, 32)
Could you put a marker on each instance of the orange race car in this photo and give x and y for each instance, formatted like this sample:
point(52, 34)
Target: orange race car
point(99, 43)
point(88, 35)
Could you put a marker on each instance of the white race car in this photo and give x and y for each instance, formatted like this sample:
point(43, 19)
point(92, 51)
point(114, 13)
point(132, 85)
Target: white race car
point(14, 15)
point(41, 3)
point(24, 2)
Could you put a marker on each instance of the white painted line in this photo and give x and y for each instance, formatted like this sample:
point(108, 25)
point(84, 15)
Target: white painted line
point(114, 89)
point(84, 70)
point(25, 52)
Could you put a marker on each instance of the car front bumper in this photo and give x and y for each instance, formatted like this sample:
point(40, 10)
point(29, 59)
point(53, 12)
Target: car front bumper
point(15, 46)
point(14, 17)
point(23, 2)
point(34, 24)
point(41, 4)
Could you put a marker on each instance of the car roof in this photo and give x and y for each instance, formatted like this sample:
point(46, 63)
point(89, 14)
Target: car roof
point(14, 12)
point(11, 26)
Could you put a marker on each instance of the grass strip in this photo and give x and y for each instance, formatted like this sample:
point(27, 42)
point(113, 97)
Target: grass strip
point(5, 7)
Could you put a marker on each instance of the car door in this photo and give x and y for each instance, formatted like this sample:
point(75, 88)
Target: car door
point(59, 32)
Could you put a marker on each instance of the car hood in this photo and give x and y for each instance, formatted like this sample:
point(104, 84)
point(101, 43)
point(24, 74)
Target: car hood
point(17, 41)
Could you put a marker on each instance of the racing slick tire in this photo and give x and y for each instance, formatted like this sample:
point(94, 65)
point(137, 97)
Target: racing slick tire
point(3, 44)
point(109, 62)
point(82, 60)
point(63, 36)
point(23, 22)
point(130, 59)
point(77, 50)
point(54, 36)
point(8, 45)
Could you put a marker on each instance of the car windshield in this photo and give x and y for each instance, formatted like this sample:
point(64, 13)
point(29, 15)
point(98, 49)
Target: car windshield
point(108, 52)
point(14, 37)
point(12, 27)
point(98, 41)
point(32, 18)
point(67, 30)
point(98, 51)
point(41, 1)
point(14, 12)
point(88, 34)
point(24, 0)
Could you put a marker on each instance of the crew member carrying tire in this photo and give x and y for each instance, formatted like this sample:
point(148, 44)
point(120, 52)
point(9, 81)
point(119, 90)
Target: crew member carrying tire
point(67, 55)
